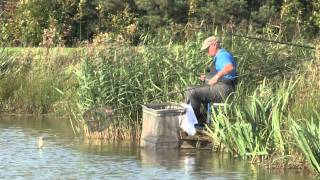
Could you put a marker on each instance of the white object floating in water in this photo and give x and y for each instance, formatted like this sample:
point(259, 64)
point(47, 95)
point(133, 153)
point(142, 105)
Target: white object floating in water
point(40, 143)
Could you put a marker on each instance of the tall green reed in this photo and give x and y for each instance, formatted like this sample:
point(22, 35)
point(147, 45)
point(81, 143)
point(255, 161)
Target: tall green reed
point(255, 122)
point(121, 75)
point(31, 80)
point(307, 135)
point(126, 77)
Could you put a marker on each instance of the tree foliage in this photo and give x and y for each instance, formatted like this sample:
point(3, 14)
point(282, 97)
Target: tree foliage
point(67, 22)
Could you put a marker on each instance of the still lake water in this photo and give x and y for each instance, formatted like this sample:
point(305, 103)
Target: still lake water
point(66, 156)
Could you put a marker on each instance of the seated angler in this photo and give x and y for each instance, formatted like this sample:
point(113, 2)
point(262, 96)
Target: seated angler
point(219, 83)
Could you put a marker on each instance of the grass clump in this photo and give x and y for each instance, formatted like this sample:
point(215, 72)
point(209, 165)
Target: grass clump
point(307, 135)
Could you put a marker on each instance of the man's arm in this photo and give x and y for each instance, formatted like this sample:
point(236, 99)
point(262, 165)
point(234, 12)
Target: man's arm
point(226, 70)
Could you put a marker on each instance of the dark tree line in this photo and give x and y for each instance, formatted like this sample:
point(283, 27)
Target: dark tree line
point(68, 22)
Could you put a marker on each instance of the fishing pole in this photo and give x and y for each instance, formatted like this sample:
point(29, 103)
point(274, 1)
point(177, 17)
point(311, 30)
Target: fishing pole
point(260, 70)
point(254, 71)
point(274, 41)
point(168, 94)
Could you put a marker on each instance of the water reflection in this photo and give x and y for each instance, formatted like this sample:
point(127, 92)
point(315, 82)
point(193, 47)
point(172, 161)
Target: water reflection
point(192, 163)
point(66, 156)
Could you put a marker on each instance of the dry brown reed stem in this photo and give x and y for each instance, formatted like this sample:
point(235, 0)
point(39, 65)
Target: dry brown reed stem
point(311, 82)
point(318, 61)
point(318, 52)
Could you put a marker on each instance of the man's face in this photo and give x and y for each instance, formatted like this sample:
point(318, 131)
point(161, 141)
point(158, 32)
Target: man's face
point(213, 49)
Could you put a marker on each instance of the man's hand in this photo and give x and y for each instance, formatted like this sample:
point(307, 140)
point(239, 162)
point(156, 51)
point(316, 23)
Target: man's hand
point(226, 70)
point(202, 77)
point(213, 80)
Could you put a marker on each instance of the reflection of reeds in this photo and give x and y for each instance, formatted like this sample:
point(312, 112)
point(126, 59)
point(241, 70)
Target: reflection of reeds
point(114, 133)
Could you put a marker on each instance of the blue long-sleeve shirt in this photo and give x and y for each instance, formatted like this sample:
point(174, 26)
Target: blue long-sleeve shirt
point(223, 58)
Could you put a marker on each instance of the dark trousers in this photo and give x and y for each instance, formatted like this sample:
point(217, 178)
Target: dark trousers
point(204, 94)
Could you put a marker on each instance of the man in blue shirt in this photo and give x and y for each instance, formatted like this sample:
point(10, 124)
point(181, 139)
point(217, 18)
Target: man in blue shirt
point(219, 83)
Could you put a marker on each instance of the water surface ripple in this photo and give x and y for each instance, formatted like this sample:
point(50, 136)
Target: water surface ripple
point(66, 156)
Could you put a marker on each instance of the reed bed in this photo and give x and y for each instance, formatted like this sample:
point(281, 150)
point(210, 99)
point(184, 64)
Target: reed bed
point(271, 114)
point(254, 124)
point(32, 81)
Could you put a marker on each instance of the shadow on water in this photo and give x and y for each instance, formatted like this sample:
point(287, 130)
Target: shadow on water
point(66, 156)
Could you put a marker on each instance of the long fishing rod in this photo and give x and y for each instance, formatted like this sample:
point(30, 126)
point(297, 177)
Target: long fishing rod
point(110, 111)
point(203, 85)
point(274, 41)
point(236, 77)
point(253, 71)
point(168, 94)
